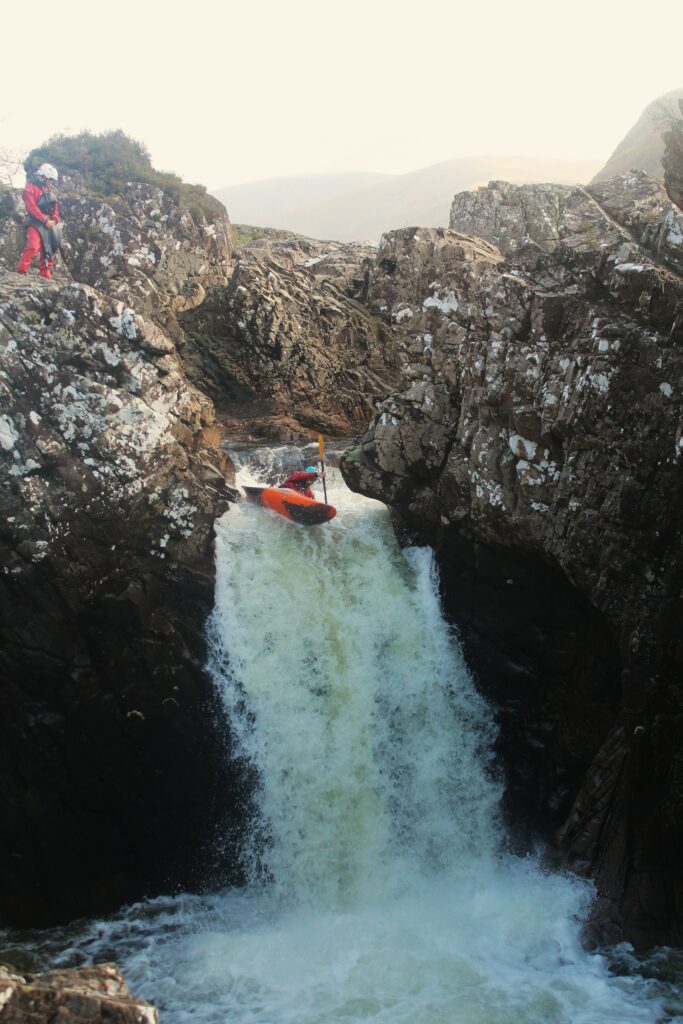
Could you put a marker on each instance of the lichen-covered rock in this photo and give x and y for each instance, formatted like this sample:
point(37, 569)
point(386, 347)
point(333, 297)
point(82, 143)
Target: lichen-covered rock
point(642, 208)
point(509, 215)
point(110, 483)
point(537, 442)
point(575, 220)
point(345, 263)
point(12, 231)
point(140, 247)
point(89, 994)
point(283, 345)
point(281, 342)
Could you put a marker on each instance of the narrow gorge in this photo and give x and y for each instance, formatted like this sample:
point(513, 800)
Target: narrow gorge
point(230, 741)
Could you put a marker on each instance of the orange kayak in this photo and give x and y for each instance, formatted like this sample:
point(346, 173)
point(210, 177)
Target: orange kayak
point(292, 505)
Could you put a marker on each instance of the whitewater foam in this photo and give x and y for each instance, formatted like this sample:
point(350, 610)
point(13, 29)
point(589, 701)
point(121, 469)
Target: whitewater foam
point(380, 889)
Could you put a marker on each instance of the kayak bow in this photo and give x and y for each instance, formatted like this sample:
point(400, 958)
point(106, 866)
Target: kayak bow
point(292, 505)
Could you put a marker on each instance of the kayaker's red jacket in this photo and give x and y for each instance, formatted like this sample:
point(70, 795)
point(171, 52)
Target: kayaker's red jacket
point(31, 195)
point(301, 481)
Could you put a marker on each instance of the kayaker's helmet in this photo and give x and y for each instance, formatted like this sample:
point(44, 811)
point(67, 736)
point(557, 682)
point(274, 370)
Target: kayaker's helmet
point(48, 171)
point(311, 469)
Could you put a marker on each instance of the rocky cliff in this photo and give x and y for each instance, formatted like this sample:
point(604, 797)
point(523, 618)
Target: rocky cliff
point(533, 434)
point(111, 478)
point(272, 331)
point(110, 483)
point(643, 147)
point(141, 247)
point(673, 160)
point(537, 443)
point(286, 346)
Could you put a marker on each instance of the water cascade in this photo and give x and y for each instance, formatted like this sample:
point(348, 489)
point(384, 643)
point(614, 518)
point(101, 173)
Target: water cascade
point(380, 886)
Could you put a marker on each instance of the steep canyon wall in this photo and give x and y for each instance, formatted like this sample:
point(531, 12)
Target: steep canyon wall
point(114, 759)
point(523, 373)
point(537, 443)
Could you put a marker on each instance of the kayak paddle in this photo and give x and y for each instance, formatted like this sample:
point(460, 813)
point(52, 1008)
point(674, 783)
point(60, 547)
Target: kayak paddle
point(321, 449)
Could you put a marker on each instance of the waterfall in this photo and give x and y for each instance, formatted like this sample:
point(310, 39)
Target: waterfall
point(352, 700)
point(380, 887)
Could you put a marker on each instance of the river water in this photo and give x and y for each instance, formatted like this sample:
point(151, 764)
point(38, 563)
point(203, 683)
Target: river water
point(380, 886)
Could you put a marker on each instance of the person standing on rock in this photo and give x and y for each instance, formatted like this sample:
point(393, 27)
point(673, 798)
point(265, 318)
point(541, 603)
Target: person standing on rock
point(42, 217)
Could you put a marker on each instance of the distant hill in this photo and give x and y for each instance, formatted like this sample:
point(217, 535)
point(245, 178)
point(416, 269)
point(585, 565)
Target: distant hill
point(274, 201)
point(643, 147)
point(356, 207)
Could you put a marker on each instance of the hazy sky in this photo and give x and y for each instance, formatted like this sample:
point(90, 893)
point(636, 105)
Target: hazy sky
point(228, 92)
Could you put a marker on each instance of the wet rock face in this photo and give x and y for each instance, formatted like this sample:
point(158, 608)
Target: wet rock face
point(87, 994)
point(545, 660)
point(109, 486)
point(281, 341)
point(537, 443)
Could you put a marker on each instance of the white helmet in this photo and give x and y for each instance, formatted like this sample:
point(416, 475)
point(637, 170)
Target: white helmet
point(47, 171)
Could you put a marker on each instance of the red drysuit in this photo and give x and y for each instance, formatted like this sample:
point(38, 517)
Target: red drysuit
point(34, 245)
point(300, 481)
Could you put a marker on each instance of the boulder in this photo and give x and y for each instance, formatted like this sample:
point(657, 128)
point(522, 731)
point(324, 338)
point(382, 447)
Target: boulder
point(509, 215)
point(84, 995)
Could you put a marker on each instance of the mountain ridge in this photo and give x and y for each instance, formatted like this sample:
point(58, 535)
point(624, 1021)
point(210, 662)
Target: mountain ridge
point(364, 205)
point(642, 148)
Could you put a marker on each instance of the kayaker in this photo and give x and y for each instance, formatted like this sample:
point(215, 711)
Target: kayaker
point(301, 481)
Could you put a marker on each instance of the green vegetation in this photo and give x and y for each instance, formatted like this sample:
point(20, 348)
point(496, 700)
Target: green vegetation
point(106, 163)
point(242, 234)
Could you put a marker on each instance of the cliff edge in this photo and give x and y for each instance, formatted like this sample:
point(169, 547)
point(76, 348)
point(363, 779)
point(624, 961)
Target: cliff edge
point(114, 764)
